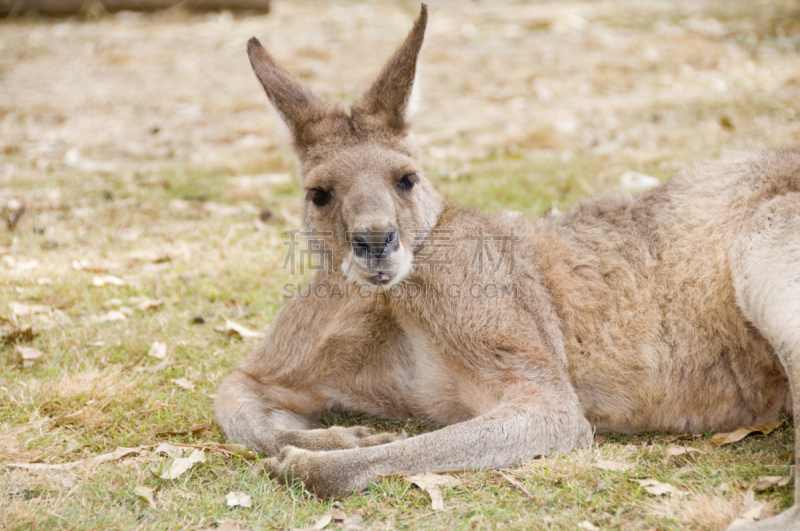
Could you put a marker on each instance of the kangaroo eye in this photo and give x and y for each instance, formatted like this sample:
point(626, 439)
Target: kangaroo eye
point(407, 182)
point(319, 197)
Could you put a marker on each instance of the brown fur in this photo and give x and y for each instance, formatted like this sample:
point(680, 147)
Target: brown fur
point(677, 310)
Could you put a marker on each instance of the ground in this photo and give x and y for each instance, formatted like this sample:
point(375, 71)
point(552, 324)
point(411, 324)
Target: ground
point(157, 186)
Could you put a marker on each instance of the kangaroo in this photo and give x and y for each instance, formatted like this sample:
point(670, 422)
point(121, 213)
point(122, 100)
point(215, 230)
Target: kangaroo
point(677, 310)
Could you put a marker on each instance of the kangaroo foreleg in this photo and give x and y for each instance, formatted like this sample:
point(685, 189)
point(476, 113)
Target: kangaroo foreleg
point(530, 426)
point(268, 417)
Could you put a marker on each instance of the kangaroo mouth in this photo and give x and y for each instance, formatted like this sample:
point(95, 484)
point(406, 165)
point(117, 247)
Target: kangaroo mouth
point(381, 278)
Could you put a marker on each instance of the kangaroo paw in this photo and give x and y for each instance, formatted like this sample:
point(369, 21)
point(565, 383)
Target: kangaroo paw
point(326, 474)
point(338, 438)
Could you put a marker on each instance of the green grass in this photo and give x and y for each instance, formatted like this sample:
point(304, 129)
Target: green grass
point(87, 394)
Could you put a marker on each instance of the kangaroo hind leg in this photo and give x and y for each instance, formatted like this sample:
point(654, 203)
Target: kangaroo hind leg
point(766, 274)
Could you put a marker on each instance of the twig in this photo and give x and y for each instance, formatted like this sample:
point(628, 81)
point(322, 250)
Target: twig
point(516, 484)
point(209, 448)
point(134, 364)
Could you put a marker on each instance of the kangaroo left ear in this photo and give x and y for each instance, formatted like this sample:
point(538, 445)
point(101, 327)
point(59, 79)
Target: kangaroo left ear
point(390, 97)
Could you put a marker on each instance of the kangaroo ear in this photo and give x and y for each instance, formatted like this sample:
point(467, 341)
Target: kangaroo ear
point(390, 96)
point(297, 105)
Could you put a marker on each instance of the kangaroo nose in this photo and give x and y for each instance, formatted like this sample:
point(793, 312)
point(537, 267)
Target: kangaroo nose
point(375, 244)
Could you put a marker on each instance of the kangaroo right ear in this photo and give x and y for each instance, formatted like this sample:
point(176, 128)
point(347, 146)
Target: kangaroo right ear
point(391, 95)
point(297, 105)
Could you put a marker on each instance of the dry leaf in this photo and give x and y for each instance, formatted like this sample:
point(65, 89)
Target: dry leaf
point(26, 310)
point(158, 350)
point(238, 498)
point(103, 280)
point(727, 438)
point(239, 450)
point(637, 182)
point(430, 483)
point(29, 355)
point(182, 464)
point(66, 483)
point(613, 465)
point(88, 463)
point(586, 525)
point(221, 210)
point(163, 364)
point(323, 521)
point(150, 304)
point(767, 482)
point(169, 449)
point(18, 335)
point(656, 488)
point(676, 451)
point(232, 329)
point(178, 205)
point(751, 511)
point(146, 493)
point(107, 317)
point(183, 382)
point(191, 430)
point(229, 524)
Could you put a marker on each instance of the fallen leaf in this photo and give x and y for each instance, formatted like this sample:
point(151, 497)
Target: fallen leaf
point(104, 280)
point(637, 182)
point(228, 524)
point(239, 450)
point(430, 483)
point(739, 434)
point(232, 329)
point(613, 465)
point(183, 382)
point(767, 482)
point(221, 210)
point(676, 451)
point(178, 205)
point(88, 463)
point(66, 483)
point(188, 431)
point(169, 449)
point(351, 522)
point(108, 317)
point(103, 267)
point(158, 350)
point(323, 521)
point(750, 512)
point(656, 488)
point(163, 364)
point(238, 498)
point(18, 335)
point(26, 310)
point(145, 493)
point(29, 355)
point(150, 304)
point(588, 526)
point(182, 464)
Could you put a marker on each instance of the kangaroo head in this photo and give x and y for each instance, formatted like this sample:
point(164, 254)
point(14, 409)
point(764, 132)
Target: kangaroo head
point(365, 190)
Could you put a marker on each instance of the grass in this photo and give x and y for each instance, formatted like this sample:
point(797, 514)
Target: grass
point(87, 394)
point(153, 214)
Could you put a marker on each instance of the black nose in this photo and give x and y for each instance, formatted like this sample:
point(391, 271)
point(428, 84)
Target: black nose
point(375, 244)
